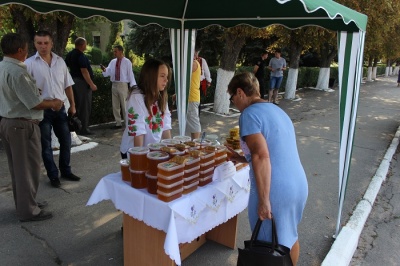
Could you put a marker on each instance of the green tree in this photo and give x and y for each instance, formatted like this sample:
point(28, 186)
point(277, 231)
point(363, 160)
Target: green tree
point(149, 41)
point(26, 22)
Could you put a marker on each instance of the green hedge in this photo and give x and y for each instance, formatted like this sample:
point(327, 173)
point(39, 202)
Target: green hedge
point(97, 56)
point(101, 103)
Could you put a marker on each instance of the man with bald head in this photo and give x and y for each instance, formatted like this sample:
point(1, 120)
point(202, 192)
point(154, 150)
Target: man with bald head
point(82, 74)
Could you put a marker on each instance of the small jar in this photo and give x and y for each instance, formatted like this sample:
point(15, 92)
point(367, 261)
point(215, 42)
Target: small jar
point(154, 158)
point(138, 159)
point(151, 183)
point(156, 146)
point(182, 139)
point(138, 179)
point(126, 176)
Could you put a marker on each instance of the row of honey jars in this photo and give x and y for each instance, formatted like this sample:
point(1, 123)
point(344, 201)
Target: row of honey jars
point(220, 155)
point(207, 164)
point(191, 174)
point(170, 180)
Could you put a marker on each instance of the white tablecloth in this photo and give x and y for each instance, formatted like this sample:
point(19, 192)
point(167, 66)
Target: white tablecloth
point(183, 219)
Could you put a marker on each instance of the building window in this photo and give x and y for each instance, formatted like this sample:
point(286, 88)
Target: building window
point(96, 41)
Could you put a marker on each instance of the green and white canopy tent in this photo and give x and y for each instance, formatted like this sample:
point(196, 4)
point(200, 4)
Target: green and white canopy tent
point(183, 17)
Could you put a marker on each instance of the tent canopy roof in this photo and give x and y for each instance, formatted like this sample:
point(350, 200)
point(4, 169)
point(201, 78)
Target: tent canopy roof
point(191, 14)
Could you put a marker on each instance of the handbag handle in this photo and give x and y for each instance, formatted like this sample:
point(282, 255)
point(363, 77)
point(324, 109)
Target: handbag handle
point(256, 230)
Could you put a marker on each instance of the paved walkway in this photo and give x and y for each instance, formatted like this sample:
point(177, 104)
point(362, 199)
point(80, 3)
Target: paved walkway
point(80, 235)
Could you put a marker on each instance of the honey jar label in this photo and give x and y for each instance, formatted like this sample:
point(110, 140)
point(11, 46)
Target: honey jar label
point(169, 165)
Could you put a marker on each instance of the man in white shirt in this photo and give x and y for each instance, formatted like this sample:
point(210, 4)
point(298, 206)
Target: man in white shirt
point(120, 72)
point(205, 77)
point(53, 79)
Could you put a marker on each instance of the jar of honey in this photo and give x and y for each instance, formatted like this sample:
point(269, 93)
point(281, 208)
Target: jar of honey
point(220, 150)
point(154, 158)
point(182, 139)
point(206, 166)
point(126, 176)
point(167, 197)
point(177, 152)
point(220, 160)
point(191, 179)
point(206, 173)
point(204, 181)
point(156, 146)
point(191, 171)
point(192, 162)
point(138, 179)
point(168, 180)
point(170, 168)
point(138, 159)
point(203, 144)
point(170, 142)
point(151, 183)
point(190, 187)
point(206, 156)
point(169, 188)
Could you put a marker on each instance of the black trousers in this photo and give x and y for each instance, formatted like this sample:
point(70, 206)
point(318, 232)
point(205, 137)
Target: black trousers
point(83, 102)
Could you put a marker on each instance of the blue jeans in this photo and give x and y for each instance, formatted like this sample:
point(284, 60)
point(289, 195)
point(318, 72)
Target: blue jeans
point(59, 122)
point(275, 82)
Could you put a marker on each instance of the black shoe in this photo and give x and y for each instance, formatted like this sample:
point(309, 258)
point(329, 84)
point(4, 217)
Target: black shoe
point(42, 204)
point(43, 215)
point(71, 177)
point(116, 127)
point(275, 103)
point(55, 183)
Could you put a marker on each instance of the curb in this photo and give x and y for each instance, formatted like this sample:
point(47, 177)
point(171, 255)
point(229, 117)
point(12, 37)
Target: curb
point(345, 245)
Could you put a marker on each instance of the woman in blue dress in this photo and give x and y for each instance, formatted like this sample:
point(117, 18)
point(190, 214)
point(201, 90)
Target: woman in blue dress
point(278, 181)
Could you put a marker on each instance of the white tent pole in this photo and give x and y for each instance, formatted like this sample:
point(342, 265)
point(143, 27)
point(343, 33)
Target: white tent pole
point(351, 49)
point(182, 48)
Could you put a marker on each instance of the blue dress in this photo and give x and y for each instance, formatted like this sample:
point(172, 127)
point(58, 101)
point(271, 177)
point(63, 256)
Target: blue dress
point(289, 188)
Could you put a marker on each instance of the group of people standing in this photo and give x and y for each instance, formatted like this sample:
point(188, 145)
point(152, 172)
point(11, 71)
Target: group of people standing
point(276, 65)
point(37, 95)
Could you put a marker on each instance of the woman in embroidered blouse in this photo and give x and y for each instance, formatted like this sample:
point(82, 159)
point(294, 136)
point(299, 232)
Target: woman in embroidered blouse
point(147, 115)
point(278, 181)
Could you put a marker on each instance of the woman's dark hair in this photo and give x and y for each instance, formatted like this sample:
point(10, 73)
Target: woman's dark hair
point(11, 42)
point(247, 82)
point(148, 84)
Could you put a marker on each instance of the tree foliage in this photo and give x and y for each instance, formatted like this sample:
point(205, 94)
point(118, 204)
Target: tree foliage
point(149, 41)
point(26, 22)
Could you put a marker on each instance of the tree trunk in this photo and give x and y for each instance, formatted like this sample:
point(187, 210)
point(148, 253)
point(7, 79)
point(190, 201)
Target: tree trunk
point(221, 97)
point(387, 69)
point(291, 83)
point(369, 70)
point(294, 59)
point(233, 45)
point(323, 78)
point(23, 25)
point(327, 55)
point(369, 74)
point(328, 52)
point(374, 68)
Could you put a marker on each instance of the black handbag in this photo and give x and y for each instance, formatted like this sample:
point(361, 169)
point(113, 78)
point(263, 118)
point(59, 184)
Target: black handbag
point(74, 124)
point(262, 253)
